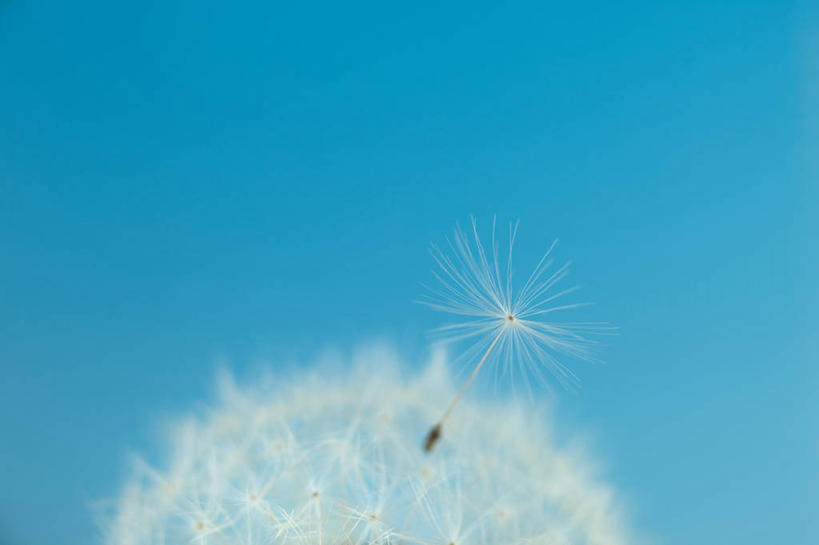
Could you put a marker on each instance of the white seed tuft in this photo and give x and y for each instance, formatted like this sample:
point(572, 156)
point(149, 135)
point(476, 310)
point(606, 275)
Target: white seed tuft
point(337, 461)
point(517, 329)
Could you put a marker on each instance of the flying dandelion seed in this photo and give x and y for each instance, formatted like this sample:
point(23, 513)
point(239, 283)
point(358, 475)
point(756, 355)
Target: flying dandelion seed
point(324, 461)
point(513, 326)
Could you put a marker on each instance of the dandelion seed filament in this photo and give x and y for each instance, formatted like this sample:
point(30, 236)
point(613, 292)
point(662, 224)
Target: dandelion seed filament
point(435, 433)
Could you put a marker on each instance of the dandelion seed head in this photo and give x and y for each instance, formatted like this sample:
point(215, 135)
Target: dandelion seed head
point(311, 460)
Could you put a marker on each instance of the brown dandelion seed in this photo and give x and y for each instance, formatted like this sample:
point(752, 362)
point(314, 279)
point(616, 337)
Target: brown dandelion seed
point(432, 437)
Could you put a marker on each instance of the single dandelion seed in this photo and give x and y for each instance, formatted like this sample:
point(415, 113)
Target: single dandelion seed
point(514, 325)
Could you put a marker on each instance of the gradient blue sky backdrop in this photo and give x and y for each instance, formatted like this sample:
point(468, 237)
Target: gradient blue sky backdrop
point(186, 183)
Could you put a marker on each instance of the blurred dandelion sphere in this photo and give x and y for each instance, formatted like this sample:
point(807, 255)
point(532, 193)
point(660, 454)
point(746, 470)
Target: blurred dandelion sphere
point(318, 460)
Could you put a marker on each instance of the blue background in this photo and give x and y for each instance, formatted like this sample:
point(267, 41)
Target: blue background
point(187, 184)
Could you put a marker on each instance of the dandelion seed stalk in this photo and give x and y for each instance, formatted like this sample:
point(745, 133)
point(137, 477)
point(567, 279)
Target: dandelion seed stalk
point(435, 432)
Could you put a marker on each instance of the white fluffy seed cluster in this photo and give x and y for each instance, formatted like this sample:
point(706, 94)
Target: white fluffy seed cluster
point(338, 461)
